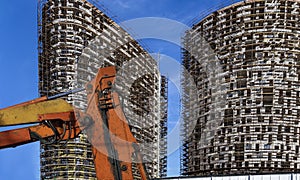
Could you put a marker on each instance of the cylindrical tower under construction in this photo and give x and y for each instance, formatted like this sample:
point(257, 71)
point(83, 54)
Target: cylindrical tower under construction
point(75, 39)
point(254, 63)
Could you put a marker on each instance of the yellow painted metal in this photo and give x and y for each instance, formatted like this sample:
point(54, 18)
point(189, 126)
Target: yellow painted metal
point(29, 112)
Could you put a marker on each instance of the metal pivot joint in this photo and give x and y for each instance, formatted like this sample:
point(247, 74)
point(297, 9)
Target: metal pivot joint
point(105, 94)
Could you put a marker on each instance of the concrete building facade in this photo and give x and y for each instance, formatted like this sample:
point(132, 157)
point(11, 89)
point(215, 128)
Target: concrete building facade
point(241, 105)
point(75, 39)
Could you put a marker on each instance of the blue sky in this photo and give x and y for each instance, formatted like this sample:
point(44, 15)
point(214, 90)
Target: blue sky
point(19, 69)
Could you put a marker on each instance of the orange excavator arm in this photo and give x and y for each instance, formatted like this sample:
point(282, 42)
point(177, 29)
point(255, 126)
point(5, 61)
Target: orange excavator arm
point(53, 118)
point(116, 151)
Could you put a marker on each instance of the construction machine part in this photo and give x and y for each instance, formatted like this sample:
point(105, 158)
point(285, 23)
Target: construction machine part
point(114, 147)
point(29, 112)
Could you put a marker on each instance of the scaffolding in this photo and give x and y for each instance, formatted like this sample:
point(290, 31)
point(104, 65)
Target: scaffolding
point(75, 39)
point(163, 125)
point(257, 45)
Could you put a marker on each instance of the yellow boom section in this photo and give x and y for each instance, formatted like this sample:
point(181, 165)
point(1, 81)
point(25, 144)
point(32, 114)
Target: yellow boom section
point(29, 112)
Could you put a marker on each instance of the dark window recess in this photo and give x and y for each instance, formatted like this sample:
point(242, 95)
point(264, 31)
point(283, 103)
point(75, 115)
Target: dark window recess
point(249, 120)
point(228, 121)
point(247, 129)
point(238, 111)
point(257, 129)
point(228, 113)
point(248, 146)
point(287, 139)
point(280, 100)
point(221, 140)
point(287, 129)
point(243, 120)
point(258, 110)
point(241, 83)
point(298, 102)
point(249, 54)
point(247, 110)
point(239, 129)
point(236, 139)
point(259, 74)
point(248, 92)
point(268, 109)
point(260, 119)
point(270, 138)
point(239, 147)
point(288, 93)
point(240, 93)
point(279, 137)
point(246, 164)
point(268, 96)
point(263, 129)
point(268, 99)
point(279, 128)
point(279, 155)
point(269, 156)
point(242, 74)
point(257, 147)
point(260, 137)
point(268, 90)
point(270, 129)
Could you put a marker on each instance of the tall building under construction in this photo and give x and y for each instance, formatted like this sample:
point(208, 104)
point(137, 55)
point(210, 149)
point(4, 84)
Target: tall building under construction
point(75, 39)
point(241, 90)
